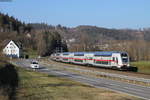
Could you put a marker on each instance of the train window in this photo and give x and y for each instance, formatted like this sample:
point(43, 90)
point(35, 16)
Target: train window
point(97, 55)
point(90, 58)
point(101, 55)
point(98, 62)
point(125, 59)
point(124, 55)
point(78, 54)
point(65, 54)
point(78, 60)
point(109, 63)
point(117, 60)
point(105, 62)
point(113, 58)
point(102, 62)
point(65, 59)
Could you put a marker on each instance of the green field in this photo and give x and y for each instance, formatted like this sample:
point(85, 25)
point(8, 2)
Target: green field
point(143, 66)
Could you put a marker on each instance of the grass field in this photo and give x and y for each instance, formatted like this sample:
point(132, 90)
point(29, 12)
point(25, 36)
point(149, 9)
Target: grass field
point(143, 66)
point(38, 86)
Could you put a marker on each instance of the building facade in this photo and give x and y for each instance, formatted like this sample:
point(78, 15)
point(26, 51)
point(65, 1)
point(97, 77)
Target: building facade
point(12, 49)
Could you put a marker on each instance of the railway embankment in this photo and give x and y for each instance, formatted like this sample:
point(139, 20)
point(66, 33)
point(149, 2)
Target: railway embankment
point(129, 77)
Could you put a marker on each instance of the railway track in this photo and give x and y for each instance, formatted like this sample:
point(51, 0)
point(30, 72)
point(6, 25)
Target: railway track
point(93, 68)
point(130, 77)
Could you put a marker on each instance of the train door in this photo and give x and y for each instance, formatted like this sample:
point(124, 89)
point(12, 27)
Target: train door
point(114, 61)
point(89, 59)
point(71, 57)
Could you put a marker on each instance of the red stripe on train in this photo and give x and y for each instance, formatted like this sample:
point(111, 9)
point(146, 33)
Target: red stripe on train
point(88, 59)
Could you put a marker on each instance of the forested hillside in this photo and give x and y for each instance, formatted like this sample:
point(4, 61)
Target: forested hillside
point(46, 39)
point(44, 42)
point(92, 38)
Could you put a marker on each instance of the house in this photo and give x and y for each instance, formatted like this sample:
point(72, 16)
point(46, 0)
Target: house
point(13, 49)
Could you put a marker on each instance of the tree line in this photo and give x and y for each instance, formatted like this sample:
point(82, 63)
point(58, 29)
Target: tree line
point(91, 38)
point(46, 39)
point(43, 41)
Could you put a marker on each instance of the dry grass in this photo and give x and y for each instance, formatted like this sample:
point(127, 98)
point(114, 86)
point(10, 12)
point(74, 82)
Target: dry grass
point(38, 86)
point(2, 96)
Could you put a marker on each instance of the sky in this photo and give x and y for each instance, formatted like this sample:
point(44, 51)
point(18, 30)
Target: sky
point(117, 14)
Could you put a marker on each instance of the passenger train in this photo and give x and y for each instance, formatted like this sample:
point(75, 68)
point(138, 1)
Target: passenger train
point(106, 59)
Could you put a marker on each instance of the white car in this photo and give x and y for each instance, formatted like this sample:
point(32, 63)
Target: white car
point(34, 65)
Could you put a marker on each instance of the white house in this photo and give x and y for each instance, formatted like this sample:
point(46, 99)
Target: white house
point(13, 49)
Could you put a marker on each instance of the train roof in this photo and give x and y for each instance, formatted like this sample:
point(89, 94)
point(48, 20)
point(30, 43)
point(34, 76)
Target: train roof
point(96, 53)
point(106, 53)
point(67, 52)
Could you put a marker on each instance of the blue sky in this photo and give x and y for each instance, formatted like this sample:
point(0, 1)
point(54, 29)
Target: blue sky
point(71, 13)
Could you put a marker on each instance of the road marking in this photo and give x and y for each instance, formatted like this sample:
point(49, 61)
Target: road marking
point(133, 89)
point(115, 85)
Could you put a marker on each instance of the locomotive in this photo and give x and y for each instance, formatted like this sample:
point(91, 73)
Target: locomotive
point(105, 59)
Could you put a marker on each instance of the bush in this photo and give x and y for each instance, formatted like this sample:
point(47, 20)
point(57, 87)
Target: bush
point(8, 81)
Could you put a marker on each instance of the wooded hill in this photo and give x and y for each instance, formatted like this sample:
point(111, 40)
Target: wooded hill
point(92, 38)
point(44, 42)
point(48, 38)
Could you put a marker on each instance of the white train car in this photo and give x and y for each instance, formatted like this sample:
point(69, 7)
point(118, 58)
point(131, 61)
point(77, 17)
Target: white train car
point(109, 59)
point(66, 57)
point(79, 58)
point(113, 59)
point(56, 56)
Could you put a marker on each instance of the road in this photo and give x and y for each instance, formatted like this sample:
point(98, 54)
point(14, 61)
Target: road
point(131, 89)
